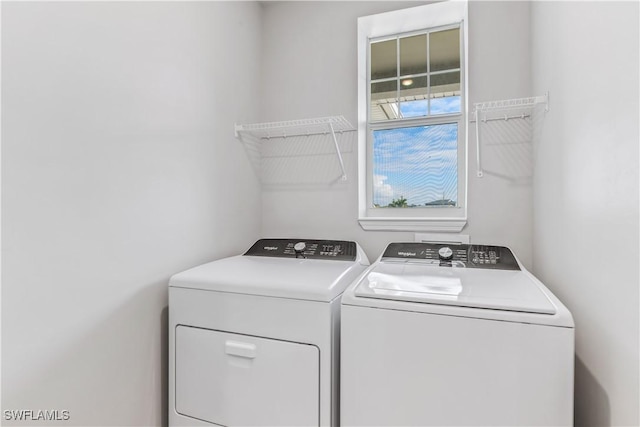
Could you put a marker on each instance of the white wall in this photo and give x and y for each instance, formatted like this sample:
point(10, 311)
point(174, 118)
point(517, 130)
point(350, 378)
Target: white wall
point(586, 194)
point(310, 70)
point(120, 168)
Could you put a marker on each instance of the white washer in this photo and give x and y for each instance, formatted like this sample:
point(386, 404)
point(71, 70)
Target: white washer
point(458, 335)
point(254, 338)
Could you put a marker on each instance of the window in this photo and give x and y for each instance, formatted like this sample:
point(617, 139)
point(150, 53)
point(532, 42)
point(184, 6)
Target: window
point(411, 121)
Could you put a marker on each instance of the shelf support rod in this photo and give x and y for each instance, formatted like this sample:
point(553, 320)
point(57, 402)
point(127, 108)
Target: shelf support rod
point(335, 142)
point(478, 164)
point(546, 102)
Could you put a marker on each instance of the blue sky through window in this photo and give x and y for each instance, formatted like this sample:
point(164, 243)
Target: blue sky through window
point(448, 104)
point(418, 163)
point(418, 108)
point(414, 108)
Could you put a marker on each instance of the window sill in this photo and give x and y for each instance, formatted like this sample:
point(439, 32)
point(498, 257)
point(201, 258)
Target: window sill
point(443, 225)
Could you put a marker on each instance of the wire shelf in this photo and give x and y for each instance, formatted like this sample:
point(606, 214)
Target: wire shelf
point(513, 103)
point(299, 128)
point(284, 129)
point(509, 104)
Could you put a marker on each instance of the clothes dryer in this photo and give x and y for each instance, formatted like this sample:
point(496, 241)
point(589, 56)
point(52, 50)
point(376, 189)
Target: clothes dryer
point(254, 338)
point(448, 335)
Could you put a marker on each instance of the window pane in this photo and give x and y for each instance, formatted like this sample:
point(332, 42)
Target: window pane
point(413, 55)
point(413, 97)
point(384, 59)
point(445, 93)
point(384, 90)
point(384, 100)
point(444, 50)
point(445, 105)
point(416, 166)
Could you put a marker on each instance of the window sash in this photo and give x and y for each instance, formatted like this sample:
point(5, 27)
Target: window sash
point(440, 211)
point(399, 76)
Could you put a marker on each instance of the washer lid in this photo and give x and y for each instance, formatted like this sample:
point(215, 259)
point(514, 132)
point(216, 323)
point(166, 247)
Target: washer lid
point(509, 290)
point(311, 274)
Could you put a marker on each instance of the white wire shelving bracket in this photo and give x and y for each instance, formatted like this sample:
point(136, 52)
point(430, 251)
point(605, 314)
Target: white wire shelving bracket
point(304, 127)
point(507, 104)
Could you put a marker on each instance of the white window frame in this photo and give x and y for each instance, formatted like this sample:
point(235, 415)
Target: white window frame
point(450, 219)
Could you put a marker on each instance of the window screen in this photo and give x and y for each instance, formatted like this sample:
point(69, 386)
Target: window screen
point(416, 166)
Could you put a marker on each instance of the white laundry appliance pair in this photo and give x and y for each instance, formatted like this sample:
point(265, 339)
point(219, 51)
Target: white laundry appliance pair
point(430, 334)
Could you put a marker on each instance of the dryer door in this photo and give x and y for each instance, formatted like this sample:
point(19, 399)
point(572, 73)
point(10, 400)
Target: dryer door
point(240, 380)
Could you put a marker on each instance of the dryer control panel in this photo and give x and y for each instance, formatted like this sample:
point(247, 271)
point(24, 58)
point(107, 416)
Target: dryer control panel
point(451, 255)
point(340, 250)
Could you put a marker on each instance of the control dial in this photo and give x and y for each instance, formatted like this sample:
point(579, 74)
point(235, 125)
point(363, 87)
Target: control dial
point(445, 253)
point(299, 248)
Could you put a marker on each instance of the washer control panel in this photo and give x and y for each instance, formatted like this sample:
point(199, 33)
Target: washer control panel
point(340, 250)
point(452, 255)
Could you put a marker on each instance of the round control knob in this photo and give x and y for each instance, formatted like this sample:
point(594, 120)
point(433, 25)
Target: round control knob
point(445, 253)
point(300, 246)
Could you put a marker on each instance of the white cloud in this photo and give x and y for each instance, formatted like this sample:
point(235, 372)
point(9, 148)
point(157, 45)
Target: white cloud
point(382, 192)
